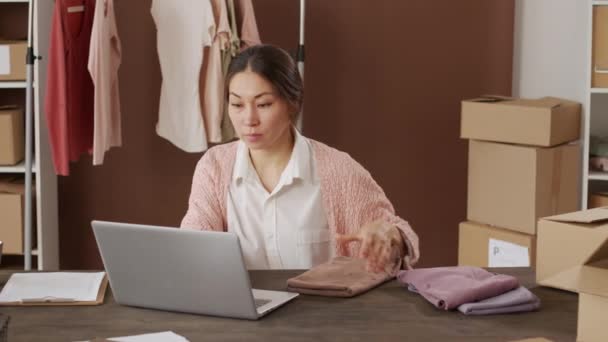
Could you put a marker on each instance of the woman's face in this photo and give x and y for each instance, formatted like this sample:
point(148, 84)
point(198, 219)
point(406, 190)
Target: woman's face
point(259, 115)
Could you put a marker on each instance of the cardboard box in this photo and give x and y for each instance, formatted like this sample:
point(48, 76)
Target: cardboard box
point(12, 60)
point(485, 246)
point(573, 256)
point(592, 312)
point(12, 135)
point(597, 200)
point(512, 186)
point(565, 243)
point(12, 191)
point(599, 54)
point(547, 121)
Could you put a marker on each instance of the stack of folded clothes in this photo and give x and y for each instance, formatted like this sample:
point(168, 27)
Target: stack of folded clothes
point(471, 290)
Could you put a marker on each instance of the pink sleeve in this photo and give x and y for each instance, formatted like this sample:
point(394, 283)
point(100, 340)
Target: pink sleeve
point(367, 203)
point(204, 209)
point(55, 98)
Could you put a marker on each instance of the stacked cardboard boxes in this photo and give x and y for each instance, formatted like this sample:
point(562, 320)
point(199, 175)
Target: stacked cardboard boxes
point(522, 166)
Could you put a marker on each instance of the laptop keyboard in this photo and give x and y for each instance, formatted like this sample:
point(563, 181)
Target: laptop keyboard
point(260, 302)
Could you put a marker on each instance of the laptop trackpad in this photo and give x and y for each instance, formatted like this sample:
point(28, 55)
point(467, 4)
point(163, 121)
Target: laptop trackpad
point(261, 302)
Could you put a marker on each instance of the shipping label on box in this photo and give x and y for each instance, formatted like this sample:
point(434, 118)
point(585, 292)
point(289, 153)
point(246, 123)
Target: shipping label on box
point(486, 246)
point(506, 254)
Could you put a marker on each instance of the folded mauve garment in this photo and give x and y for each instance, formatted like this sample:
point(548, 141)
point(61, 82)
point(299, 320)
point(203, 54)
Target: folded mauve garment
point(449, 287)
point(340, 277)
point(518, 300)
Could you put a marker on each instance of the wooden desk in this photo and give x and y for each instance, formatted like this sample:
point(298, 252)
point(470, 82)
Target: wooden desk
point(388, 313)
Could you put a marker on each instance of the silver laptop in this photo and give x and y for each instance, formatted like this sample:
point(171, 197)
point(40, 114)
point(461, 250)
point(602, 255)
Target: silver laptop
point(200, 272)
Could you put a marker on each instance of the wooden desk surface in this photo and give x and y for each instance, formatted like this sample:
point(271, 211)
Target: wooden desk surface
point(387, 313)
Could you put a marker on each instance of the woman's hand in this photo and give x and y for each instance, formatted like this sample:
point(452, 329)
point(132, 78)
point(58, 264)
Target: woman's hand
point(381, 244)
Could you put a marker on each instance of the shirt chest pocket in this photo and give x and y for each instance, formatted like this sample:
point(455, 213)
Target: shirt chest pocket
point(313, 247)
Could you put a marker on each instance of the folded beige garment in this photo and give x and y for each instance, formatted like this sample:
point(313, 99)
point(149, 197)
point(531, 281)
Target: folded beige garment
point(340, 277)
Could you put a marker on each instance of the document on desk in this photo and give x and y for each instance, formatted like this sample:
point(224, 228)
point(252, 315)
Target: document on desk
point(52, 287)
point(165, 336)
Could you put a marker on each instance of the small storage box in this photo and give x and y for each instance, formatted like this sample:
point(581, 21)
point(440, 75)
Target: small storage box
point(12, 60)
point(12, 135)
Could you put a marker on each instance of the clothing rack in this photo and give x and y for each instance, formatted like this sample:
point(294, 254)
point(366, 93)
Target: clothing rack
point(300, 56)
point(30, 59)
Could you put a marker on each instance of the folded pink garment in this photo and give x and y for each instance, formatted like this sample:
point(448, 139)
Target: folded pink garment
point(449, 287)
point(340, 277)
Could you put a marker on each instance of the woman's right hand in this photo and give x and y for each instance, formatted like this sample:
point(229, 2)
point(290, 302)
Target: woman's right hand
point(381, 244)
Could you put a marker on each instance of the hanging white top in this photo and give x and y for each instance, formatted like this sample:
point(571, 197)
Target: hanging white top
point(183, 28)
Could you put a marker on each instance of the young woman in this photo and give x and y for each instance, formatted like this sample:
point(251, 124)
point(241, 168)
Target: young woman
point(293, 202)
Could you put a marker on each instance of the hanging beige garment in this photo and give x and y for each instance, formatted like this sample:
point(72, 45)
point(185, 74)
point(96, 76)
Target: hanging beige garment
point(103, 64)
point(213, 98)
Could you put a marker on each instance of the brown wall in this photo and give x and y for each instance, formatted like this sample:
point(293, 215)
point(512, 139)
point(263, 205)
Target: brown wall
point(383, 82)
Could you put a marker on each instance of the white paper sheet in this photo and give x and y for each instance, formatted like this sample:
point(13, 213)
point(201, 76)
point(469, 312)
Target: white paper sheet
point(165, 336)
point(506, 254)
point(5, 60)
point(58, 286)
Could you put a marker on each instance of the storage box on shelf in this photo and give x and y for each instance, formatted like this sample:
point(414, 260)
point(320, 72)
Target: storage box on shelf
point(12, 60)
point(595, 179)
point(12, 193)
point(12, 135)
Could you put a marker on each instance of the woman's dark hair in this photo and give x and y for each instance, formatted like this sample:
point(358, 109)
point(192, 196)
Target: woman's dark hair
point(275, 65)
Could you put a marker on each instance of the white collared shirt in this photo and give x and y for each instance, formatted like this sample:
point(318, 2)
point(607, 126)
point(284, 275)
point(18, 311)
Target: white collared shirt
point(285, 229)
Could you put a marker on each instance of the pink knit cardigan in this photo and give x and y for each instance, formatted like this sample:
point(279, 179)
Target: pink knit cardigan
point(351, 197)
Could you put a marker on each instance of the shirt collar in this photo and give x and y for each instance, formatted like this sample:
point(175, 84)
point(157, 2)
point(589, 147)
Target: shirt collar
point(299, 165)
